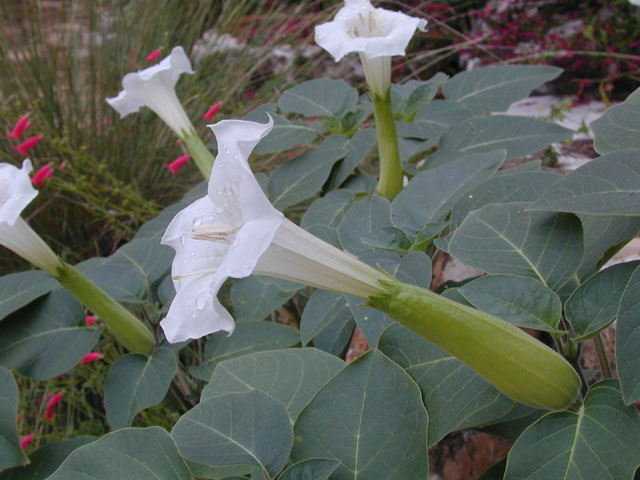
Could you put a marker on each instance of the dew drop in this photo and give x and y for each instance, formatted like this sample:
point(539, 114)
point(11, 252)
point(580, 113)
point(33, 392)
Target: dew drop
point(235, 242)
point(219, 209)
point(183, 239)
point(201, 301)
point(197, 221)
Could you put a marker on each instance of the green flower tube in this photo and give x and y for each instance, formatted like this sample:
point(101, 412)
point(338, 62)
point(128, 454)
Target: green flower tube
point(390, 177)
point(514, 362)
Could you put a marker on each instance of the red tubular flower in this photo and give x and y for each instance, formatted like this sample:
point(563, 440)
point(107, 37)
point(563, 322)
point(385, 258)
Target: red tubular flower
point(90, 319)
point(212, 111)
point(26, 440)
point(27, 145)
point(20, 127)
point(177, 164)
point(153, 55)
point(53, 401)
point(42, 174)
point(91, 357)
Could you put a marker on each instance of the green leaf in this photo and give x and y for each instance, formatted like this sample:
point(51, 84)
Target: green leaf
point(11, 453)
point(304, 176)
point(292, 376)
point(495, 88)
point(327, 318)
point(619, 127)
point(152, 259)
point(506, 188)
point(504, 238)
point(140, 453)
point(47, 337)
point(314, 469)
point(45, 460)
point(409, 97)
point(325, 214)
point(117, 276)
point(248, 337)
point(232, 431)
point(515, 422)
point(367, 215)
point(371, 418)
point(255, 297)
point(155, 228)
point(628, 340)
point(455, 396)
point(520, 136)
point(594, 305)
point(434, 119)
point(20, 289)
point(600, 442)
point(358, 147)
point(284, 135)
point(136, 382)
point(430, 194)
point(524, 302)
point(609, 185)
point(322, 97)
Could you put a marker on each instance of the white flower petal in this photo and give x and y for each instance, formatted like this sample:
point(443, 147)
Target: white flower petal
point(16, 190)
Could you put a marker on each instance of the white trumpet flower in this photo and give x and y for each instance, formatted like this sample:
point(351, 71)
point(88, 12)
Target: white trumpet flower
point(16, 192)
point(234, 231)
point(375, 33)
point(154, 87)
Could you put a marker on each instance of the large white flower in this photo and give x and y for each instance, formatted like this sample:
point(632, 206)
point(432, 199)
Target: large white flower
point(375, 33)
point(154, 87)
point(16, 192)
point(234, 231)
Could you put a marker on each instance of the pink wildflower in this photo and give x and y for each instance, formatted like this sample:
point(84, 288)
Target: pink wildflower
point(42, 174)
point(177, 164)
point(20, 127)
point(27, 145)
point(212, 111)
point(53, 401)
point(26, 440)
point(91, 357)
point(153, 55)
point(90, 319)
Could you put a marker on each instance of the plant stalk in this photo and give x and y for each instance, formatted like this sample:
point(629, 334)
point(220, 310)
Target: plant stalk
point(390, 176)
point(602, 357)
point(123, 325)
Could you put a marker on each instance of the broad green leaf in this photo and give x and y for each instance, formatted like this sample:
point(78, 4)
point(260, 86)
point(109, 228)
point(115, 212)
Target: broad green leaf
point(11, 453)
point(495, 88)
point(371, 418)
point(506, 188)
point(522, 301)
point(609, 185)
point(594, 305)
point(409, 97)
point(628, 340)
point(358, 147)
point(515, 422)
point(505, 238)
point(367, 215)
point(314, 469)
point(248, 337)
point(327, 318)
point(360, 183)
point(321, 97)
point(140, 453)
point(47, 337)
point(495, 472)
point(520, 136)
point(20, 289)
point(117, 276)
point(292, 376)
point(455, 396)
point(155, 228)
point(434, 119)
point(304, 176)
point(152, 259)
point(430, 194)
point(599, 442)
point(284, 135)
point(619, 127)
point(257, 296)
point(136, 382)
point(236, 430)
point(325, 214)
point(45, 460)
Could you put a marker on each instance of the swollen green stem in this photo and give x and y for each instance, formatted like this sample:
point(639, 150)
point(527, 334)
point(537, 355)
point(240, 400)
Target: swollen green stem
point(123, 325)
point(199, 152)
point(390, 176)
point(516, 363)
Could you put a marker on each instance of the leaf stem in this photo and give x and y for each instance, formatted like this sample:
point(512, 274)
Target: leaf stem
point(602, 357)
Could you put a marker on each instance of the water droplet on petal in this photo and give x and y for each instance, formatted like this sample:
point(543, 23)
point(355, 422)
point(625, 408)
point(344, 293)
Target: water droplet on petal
point(201, 300)
point(219, 209)
point(197, 221)
point(183, 239)
point(235, 242)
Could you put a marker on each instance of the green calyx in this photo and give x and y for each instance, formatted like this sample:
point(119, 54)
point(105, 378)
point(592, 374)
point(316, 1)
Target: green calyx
point(514, 362)
point(123, 325)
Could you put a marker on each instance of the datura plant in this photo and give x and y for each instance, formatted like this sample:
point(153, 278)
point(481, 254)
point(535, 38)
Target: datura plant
point(260, 289)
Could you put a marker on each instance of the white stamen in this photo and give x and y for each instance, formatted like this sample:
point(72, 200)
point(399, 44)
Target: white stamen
point(213, 233)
